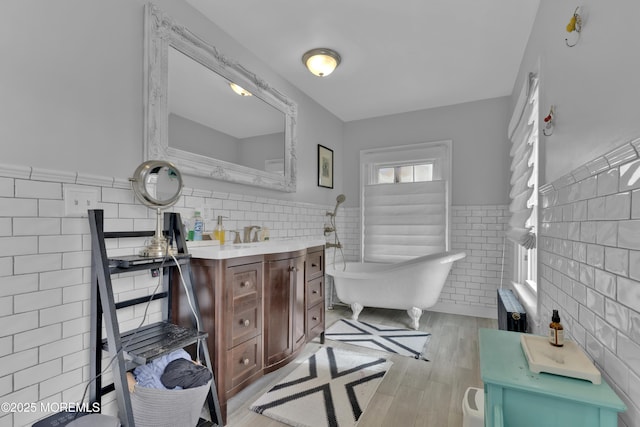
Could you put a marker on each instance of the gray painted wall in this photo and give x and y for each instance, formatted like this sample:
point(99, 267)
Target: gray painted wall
point(480, 146)
point(593, 85)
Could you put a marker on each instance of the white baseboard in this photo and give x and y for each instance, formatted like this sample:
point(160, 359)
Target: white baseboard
point(466, 310)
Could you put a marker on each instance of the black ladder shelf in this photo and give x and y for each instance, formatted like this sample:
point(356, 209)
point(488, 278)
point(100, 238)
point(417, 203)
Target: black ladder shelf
point(148, 342)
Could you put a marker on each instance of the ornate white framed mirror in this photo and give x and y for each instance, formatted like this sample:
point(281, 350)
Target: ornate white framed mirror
point(195, 120)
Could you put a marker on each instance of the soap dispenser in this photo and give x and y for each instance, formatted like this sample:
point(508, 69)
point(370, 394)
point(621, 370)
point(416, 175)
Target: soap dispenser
point(218, 233)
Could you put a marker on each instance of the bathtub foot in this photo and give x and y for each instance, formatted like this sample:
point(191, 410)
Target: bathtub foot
point(415, 314)
point(356, 309)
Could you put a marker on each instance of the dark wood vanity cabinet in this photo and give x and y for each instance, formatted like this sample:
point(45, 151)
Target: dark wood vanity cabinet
point(259, 311)
point(243, 317)
point(229, 293)
point(284, 307)
point(314, 292)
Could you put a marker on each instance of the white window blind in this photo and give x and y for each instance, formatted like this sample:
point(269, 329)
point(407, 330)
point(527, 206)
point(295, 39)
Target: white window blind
point(523, 133)
point(404, 221)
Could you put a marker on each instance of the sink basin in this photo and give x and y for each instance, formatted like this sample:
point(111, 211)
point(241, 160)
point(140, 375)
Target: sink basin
point(235, 250)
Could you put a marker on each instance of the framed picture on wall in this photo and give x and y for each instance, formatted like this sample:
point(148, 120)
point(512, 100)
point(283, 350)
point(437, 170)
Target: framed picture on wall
point(325, 166)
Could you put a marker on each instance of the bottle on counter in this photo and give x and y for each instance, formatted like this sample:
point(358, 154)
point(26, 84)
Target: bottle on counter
point(556, 330)
point(188, 226)
point(198, 226)
point(218, 232)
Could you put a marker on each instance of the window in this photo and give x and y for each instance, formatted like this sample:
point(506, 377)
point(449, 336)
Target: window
point(405, 193)
point(523, 224)
point(529, 271)
point(389, 174)
point(526, 270)
point(527, 258)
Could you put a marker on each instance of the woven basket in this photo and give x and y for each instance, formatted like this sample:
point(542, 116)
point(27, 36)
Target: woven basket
point(168, 408)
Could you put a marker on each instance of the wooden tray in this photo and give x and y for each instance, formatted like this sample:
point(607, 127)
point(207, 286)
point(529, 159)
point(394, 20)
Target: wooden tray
point(568, 360)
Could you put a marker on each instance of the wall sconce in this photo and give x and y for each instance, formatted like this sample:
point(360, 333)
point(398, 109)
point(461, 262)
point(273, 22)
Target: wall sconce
point(239, 90)
point(549, 123)
point(321, 61)
point(574, 25)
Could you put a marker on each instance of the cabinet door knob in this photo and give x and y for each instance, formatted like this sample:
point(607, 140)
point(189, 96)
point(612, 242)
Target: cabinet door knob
point(314, 292)
point(314, 265)
point(293, 268)
point(244, 284)
point(245, 361)
point(314, 318)
point(246, 322)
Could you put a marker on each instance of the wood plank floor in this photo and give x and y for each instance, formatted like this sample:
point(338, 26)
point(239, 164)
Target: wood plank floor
point(414, 392)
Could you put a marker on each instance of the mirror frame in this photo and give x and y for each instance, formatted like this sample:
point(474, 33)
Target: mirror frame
point(139, 184)
point(162, 32)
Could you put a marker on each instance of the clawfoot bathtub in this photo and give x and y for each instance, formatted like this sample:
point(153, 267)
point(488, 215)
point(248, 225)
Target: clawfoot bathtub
point(412, 285)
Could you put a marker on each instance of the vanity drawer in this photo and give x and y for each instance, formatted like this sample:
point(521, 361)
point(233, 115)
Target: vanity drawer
point(244, 282)
point(243, 361)
point(315, 320)
point(315, 292)
point(314, 264)
point(246, 323)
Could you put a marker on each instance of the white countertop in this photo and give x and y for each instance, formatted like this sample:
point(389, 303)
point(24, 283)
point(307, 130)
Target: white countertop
point(211, 249)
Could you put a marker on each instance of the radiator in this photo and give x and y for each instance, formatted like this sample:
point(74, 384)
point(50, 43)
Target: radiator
point(511, 314)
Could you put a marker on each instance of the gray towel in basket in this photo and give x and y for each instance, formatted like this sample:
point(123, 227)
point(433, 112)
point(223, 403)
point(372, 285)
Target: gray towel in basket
point(184, 373)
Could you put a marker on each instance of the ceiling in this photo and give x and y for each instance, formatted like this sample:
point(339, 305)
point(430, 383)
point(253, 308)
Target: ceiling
point(397, 56)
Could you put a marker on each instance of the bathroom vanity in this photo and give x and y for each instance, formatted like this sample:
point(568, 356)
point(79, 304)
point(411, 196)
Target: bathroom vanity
point(260, 303)
point(515, 396)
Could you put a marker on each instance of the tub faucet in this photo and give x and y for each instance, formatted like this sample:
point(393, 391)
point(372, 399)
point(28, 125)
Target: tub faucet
point(247, 233)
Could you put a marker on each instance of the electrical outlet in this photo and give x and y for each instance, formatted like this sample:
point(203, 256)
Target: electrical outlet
point(78, 199)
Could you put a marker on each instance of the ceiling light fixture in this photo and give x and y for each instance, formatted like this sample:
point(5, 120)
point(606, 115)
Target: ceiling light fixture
point(321, 61)
point(240, 91)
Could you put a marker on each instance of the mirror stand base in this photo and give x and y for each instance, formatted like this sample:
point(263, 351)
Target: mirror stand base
point(157, 248)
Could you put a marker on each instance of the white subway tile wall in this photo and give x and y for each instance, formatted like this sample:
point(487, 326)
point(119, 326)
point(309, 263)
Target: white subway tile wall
point(479, 231)
point(590, 268)
point(45, 269)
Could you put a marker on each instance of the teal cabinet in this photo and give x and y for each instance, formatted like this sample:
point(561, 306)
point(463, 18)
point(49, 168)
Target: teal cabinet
point(517, 397)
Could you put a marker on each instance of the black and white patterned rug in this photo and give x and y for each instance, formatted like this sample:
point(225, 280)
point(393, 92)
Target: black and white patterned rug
point(402, 341)
point(330, 389)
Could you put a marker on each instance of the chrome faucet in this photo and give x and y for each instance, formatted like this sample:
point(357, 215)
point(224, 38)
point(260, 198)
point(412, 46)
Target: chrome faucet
point(247, 233)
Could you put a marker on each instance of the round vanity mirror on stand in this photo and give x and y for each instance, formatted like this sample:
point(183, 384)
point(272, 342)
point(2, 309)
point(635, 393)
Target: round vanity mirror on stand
point(157, 184)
